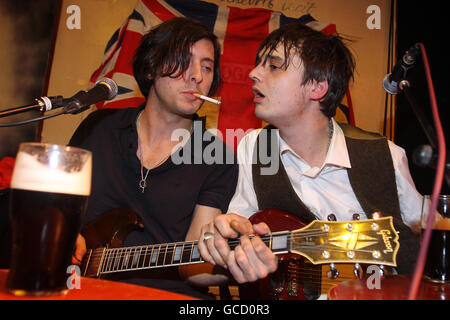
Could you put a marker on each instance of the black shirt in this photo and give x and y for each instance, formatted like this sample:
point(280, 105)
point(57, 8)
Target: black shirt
point(173, 190)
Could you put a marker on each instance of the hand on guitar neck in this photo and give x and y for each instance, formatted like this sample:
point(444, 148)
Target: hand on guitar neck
point(248, 261)
point(80, 250)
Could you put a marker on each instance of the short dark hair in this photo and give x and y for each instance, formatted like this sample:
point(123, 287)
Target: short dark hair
point(166, 51)
point(323, 56)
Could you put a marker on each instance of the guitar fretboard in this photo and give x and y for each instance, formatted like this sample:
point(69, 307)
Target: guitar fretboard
point(105, 261)
point(152, 256)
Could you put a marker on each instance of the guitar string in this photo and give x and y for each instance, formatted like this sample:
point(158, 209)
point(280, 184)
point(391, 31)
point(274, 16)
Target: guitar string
point(163, 248)
point(120, 252)
point(317, 277)
point(302, 272)
point(133, 261)
point(155, 259)
point(172, 247)
point(131, 254)
point(114, 264)
point(192, 243)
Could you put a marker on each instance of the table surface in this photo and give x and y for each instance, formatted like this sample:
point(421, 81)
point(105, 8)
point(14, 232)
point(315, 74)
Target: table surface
point(394, 287)
point(99, 289)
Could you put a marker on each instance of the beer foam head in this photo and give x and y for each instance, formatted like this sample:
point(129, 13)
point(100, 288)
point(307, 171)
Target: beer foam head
point(31, 174)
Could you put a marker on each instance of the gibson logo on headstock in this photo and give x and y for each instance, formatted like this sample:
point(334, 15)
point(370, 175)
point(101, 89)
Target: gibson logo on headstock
point(386, 235)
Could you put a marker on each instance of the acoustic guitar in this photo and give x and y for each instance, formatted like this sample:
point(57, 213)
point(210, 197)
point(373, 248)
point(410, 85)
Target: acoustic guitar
point(301, 251)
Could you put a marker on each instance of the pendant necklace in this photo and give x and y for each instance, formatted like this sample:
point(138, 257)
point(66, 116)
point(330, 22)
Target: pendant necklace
point(143, 181)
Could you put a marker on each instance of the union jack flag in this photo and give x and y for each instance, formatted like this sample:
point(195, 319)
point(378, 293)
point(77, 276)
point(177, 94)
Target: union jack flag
point(240, 31)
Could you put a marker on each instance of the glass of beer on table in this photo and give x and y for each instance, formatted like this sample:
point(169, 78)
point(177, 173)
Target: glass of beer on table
point(50, 187)
point(437, 265)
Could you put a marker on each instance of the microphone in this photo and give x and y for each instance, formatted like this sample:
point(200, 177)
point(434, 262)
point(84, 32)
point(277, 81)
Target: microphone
point(104, 89)
point(391, 81)
point(425, 156)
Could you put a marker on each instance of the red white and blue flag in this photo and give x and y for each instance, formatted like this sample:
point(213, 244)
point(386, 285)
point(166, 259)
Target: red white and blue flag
point(240, 31)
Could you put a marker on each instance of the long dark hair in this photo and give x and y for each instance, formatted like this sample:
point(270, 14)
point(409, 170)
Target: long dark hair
point(165, 51)
point(323, 56)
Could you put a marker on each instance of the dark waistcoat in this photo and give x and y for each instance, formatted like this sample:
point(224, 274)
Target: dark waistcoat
point(371, 176)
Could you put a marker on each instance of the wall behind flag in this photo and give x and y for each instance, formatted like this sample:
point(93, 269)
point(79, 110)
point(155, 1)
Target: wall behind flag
point(86, 26)
point(26, 29)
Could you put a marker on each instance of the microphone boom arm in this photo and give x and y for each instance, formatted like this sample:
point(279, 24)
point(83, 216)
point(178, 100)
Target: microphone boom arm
point(426, 126)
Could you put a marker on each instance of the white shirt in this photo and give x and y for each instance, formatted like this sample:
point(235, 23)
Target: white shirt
point(326, 189)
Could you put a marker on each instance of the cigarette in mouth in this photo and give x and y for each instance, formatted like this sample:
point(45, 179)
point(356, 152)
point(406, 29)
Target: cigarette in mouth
point(207, 98)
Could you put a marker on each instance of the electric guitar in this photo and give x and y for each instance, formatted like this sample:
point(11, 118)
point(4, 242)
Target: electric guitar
point(373, 241)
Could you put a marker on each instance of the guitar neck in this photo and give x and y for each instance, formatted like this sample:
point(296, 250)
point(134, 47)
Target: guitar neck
point(368, 241)
point(102, 261)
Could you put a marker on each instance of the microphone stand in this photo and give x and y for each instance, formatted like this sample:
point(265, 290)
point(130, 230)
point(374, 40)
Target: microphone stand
point(104, 89)
point(42, 104)
point(72, 106)
point(426, 126)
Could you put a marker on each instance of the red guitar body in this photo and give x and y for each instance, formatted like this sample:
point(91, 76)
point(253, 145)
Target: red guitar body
point(296, 278)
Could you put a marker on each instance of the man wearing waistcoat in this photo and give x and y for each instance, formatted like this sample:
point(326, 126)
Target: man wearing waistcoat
point(317, 166)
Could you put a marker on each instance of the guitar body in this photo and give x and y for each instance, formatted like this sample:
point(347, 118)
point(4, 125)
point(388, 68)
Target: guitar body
point(111, 228)
point(296, 278)
point(109, 231)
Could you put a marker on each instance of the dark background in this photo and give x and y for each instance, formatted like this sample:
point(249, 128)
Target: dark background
point(424, 22)
point(34, 30)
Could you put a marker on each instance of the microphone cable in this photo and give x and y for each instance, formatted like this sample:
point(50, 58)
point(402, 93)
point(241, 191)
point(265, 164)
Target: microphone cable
point(20, 123)
point(440, 169)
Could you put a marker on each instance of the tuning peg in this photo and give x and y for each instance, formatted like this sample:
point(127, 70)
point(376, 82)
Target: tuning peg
point(376, 215)
point(356, 216)
point(333, 273)
point(331, 217)
point(382, 271)
point(357, 271)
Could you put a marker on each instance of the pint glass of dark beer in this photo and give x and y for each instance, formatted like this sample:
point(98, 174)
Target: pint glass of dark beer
point(49, 190)
point(437, 265)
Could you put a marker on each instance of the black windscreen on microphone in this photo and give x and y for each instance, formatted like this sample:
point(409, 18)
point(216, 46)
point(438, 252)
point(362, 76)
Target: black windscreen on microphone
point(392, 80)
point(104, 89)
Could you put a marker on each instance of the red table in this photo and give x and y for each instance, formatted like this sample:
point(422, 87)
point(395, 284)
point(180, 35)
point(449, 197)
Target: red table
point(98, 289)
point(391, 288)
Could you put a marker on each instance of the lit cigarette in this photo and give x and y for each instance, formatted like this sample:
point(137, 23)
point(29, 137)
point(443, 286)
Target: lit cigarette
point(207, 98)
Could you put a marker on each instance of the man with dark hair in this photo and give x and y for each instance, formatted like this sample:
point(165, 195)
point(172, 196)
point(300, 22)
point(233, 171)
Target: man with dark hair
point(323, 167)
point(134, 149)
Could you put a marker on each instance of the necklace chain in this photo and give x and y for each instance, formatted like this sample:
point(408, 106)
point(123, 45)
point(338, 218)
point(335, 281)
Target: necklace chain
point(143, 180)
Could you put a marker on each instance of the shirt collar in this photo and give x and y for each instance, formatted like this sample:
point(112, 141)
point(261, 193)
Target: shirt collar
point(337, 151)
point(337, 154)
point(129, 119)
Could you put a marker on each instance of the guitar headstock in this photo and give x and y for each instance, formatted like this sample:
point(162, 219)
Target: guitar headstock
point(372, 241)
